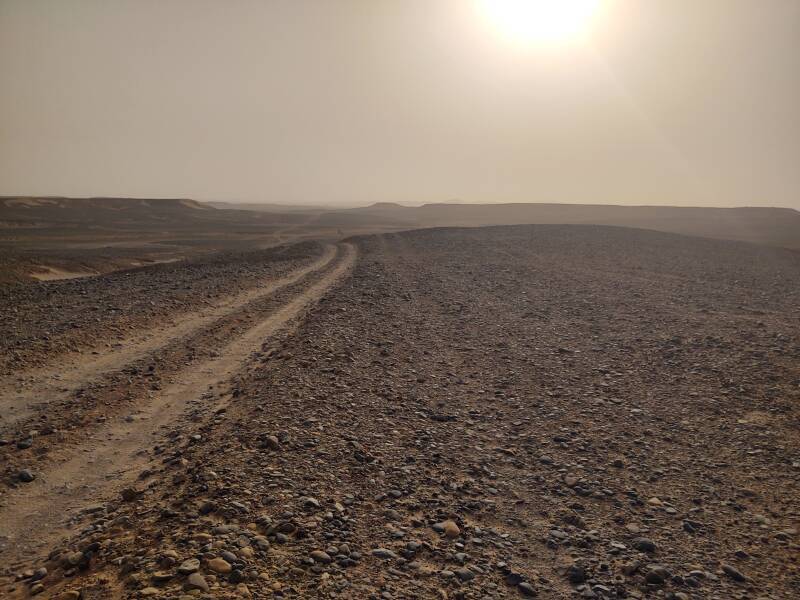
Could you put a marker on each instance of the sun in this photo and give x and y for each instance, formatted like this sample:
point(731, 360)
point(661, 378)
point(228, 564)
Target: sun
point(540, 21)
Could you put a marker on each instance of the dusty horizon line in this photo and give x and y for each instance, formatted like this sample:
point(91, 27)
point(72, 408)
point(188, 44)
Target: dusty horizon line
point(390, 203)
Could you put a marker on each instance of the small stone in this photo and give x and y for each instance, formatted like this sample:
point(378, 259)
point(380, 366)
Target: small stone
point(195, 581)
point(526, 589)
point(630, 568)
point(73, 559)
point(320, 557)
point(26, 476)
point(733, 573)
point(309, 502)
point(149, 592)
point(36, 588)
point(189, 566)
point(161, 576)
point(465, 574)
point(272, 442)
point(449, 528)
point(656, 575)
point(220, 565)
point(38, 574)
point(129, 494)
point(576, 574)
point(236, 576)
point(644, 545)
point(384, 553)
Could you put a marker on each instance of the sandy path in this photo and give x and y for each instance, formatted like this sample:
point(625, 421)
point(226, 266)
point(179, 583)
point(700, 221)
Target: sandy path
point(38, 514)
point(20, 396)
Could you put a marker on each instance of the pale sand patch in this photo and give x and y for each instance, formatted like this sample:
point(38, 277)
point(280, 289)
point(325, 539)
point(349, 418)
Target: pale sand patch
point(54, 274)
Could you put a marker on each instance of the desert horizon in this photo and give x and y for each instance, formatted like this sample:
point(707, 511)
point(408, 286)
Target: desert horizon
point(394, 300)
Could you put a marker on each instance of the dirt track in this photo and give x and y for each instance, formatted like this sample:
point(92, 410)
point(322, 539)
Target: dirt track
point(28, 388)
point(562, 411)
point(75, 477)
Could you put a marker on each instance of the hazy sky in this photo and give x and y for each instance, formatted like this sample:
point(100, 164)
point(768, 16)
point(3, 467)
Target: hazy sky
point(355, 101)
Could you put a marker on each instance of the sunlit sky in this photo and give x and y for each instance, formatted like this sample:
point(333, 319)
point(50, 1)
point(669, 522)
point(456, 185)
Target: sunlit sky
point(680, 102)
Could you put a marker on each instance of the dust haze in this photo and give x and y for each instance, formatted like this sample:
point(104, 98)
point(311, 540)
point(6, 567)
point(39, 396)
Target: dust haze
point(352, 102)
point(388, 300)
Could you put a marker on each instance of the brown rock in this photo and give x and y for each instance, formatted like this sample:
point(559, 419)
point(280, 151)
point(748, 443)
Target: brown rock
point(451, 530)
point(195, 581)
point(220, 565)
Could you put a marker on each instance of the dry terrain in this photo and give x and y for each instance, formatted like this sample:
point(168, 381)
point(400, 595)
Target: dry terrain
point(57, 238)
point(557, 411)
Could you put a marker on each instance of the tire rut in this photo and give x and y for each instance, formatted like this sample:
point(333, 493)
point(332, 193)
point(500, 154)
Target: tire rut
point(36, 515)
point(31, 391)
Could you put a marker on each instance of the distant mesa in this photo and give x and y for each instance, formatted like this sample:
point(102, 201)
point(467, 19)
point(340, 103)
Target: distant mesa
point(386, 205)
point(770, 226)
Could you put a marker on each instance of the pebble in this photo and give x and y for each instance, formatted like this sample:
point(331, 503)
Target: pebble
point(449, 528)
point(195, 581)
point(576, 574)
point(129, 494)
point(189, 566)
point(644, 545)
point(656, 575)
point(526, 589)
point(219, 565)
point(320, 556)
point(733, 573)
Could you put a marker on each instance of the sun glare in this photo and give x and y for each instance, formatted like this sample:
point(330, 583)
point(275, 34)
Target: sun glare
point(540, 21)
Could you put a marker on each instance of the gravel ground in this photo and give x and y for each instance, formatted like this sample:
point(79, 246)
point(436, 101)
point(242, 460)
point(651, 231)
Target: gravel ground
point(559, 411)
point(41, 320)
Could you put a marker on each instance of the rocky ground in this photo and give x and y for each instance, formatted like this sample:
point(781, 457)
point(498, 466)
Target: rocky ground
point(41, 320)
point(551, 411)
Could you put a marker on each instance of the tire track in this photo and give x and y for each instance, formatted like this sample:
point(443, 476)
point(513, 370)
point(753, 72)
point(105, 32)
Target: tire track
point(34, 515)
point(35, 389)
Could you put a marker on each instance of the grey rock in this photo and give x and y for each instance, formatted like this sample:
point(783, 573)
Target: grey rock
point(526, 589)
point(644, 545)
point(733, 573)
point(189, 566)
point(321, 557)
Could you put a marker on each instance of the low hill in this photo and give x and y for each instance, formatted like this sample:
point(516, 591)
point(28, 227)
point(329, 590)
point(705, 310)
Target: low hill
point(270, 207)
point(126, 213)
point(771, 226)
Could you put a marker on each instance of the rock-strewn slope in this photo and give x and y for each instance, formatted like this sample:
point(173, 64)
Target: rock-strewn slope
point(568, 412)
